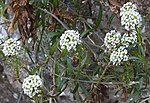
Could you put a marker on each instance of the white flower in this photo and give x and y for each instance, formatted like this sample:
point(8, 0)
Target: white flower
point(128, 7)
point(11, 47)
point(112, 39)
point(130, 17)
point(119, 55)
point(32, 85)
point(69, 40)
point(130, 20)
point(128, 39)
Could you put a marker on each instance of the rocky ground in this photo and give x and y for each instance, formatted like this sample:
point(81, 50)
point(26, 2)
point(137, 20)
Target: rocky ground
point(8, 93)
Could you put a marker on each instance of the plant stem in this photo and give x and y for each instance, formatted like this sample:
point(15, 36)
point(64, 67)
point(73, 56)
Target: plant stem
point(19, 99)
point(38, 47)
point(44, 10)
point(102, 75)
point(17, 70)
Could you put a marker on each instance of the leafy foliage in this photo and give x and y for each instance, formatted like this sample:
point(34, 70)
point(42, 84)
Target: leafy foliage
point(85, 71)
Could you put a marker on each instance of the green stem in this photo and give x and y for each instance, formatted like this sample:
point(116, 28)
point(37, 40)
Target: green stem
point(141, 49)
point(102, 75)
point(139, 36)
point(17, 70)
point(28, 52)
point(38, 47)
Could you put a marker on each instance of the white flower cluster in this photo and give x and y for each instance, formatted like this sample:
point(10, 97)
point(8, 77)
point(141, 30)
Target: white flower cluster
point(128, 7)
point(11, 47)
point(117, 43)
point(69, 40)
point(128, 39)
point(130, 17)
point(112, 39)
point(32, 85)
point(119, 55)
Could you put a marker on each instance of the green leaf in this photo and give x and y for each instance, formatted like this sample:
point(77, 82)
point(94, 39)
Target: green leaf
point(134, 97)
point(29, 53)
point(76, 88)
point(99, 18)
point(53, 34)
point(36, 69)
point(56, 2)
point(141, 83)
point(85, 33)
point(130, 47)
point(97, 70)
point(85, 92)
point(111, 18)
point(84, 60)
point(141, 50)
point(53, 48)
point(134, 58)
point(43, 19)
point(61, 84)
point(63, 53)
point(101, 56)
point(137, 59)
point(69, 66)
point(29, 72)
point(1, 53)
point(139, 36)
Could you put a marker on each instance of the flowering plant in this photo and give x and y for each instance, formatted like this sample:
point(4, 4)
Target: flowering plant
point(32, 85)
point(66, 54)
point(130, 17)
point(69, 40)
point(11, 47)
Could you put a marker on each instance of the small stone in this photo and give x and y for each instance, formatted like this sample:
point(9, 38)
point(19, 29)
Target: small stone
point(7, 100)
point(90, 21)
point(15, 95)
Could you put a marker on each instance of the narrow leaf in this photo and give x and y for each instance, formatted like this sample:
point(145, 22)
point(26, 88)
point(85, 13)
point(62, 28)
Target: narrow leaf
point(63, 53)
point(53, 48)
point(84, 60)
point(52, 34)
point(85, 92)
point(35, 69)
point(61, 84)
point(85, 33)
point(99, 18)
point(76, 88)
point(69, 66)
point(111, 19)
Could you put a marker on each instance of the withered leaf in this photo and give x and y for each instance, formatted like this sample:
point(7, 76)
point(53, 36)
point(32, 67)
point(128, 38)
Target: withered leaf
point(23, 2)
point(64, 14)
point(13, 21)
point(115, 6)
point(25, 18)
point(52, 27)
point(115, 3)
